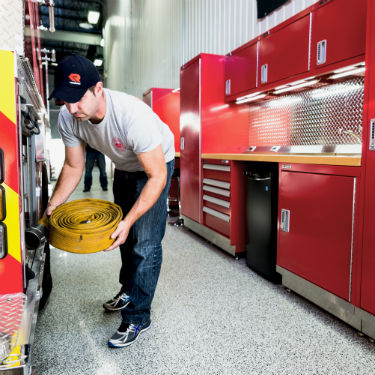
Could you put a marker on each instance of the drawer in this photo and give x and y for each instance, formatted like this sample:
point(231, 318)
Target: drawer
point(217, 207)
point(218, 191)
point(216, 183)
point(217, 221)
point(217, 162)
point(216, 175)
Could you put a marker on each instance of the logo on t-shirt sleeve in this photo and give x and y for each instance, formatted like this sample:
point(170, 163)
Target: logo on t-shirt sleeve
point(116, 142)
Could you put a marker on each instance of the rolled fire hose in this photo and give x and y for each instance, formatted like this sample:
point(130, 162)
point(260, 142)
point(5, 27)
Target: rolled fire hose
point(84, 225)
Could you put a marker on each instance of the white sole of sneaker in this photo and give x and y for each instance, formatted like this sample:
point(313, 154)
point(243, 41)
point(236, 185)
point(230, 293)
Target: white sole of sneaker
point(118, 346)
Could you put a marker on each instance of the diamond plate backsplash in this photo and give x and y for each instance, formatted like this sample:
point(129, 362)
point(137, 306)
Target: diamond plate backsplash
point(11, 25)
point(328, 115)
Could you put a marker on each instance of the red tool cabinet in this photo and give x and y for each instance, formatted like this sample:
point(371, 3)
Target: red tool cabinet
point(284, 51)
point(341, 24)
point(223, 200)
point(316, 225)
point(241, 69)
point(207, 124)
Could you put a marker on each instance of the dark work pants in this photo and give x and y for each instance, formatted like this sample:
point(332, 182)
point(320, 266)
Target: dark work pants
point(141, 254)
point(91, 157)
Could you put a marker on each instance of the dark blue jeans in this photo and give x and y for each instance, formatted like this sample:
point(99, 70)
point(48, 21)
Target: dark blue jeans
point(91, 157)
point(141, 254)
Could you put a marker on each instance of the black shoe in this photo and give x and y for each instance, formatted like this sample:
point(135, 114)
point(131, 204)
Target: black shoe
point(85, 190)
point(127, 334)
point(119, 302)
point(105, 189)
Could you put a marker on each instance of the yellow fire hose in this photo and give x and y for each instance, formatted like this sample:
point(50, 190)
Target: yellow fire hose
point(84, 225)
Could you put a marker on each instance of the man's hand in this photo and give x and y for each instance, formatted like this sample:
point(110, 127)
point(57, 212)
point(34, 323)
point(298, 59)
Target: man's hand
point(49, 209)
point(120, 234)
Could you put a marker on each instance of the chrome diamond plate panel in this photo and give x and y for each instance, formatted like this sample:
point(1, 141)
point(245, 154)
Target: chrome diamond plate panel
point(11, 26)
point(328, 115)
point(12, 307)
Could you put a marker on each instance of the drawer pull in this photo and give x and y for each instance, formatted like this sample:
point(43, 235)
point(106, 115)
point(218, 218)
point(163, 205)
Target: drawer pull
point(285, 220)
point(217, 167)
point(224, 193)
point(217, 201)
point(217, 214)
point(221, 184)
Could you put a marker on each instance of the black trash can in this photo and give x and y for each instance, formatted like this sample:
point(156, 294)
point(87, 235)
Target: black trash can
point(261, 215)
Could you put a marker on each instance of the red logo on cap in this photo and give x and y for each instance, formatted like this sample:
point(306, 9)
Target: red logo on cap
point(75, 77)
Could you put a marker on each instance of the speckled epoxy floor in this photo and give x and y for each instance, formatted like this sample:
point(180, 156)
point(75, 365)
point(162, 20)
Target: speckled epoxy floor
point(211, 315)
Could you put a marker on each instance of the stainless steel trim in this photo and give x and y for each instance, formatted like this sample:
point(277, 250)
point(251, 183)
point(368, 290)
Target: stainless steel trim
point(257, 83)
point(221, 184)
point(225, 193)
point(209, 234)
point(368, 322)
point(352, 149)
point(321, 297)
point(309, 54)
point(217, 167)
point(217, 214)
point(218, 201)
point(352, 240)
point(200, 139)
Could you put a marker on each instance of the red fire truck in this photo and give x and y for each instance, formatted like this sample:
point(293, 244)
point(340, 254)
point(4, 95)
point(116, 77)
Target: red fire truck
point(25, 280)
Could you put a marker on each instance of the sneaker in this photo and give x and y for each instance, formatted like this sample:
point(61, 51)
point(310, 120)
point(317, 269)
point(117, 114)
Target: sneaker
point(85, 190)
point(119, 302)
point(127, 334)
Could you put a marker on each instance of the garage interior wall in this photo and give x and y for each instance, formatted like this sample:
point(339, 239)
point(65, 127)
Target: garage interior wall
point(147, 41)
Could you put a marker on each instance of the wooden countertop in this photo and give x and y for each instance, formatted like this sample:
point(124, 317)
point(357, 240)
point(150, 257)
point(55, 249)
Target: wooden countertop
point(348, 160)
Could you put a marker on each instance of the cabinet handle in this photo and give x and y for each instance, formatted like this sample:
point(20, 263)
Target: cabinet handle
point(372, 135)
point(321, 53)
point(227, 87)
point(264, 73)
point(182, 143)
point(285, 220)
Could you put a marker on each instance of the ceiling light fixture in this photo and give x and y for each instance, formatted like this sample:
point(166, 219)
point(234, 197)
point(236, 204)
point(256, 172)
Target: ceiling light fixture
point(93, 17)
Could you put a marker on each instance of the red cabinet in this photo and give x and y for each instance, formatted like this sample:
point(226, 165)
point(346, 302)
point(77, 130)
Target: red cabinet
point(223, 200)
point(241, 69)
point(338, 31)
point(316, 225)
point(190, 129)
point(284, 51)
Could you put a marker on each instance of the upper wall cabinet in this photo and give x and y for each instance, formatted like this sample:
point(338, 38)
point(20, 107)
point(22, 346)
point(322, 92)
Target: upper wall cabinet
point(338, 31)
point(241, 69)
point(284, 51)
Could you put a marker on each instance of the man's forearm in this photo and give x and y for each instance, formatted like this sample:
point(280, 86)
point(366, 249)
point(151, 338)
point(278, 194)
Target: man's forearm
point(65, 185)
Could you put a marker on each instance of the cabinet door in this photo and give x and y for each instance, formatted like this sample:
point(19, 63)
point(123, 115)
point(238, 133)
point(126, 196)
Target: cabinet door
point(285, 52)
point(190, 127)
point(341, 26)
point(317, 243)
point(241, 70)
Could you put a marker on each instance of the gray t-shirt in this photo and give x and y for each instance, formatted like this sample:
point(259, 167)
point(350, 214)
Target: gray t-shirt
point(128, 128)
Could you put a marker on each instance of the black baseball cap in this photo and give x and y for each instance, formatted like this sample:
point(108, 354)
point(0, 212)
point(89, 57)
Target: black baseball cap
point(73, 77)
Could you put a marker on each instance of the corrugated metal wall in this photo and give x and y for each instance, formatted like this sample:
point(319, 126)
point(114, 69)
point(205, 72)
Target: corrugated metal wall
point(146, 41)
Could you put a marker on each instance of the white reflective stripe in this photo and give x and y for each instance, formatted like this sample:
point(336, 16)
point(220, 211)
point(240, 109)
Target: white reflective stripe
point(225, 193)
point(222, 184)
point(216, 167)
point(217, 214)
point(218, 201)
